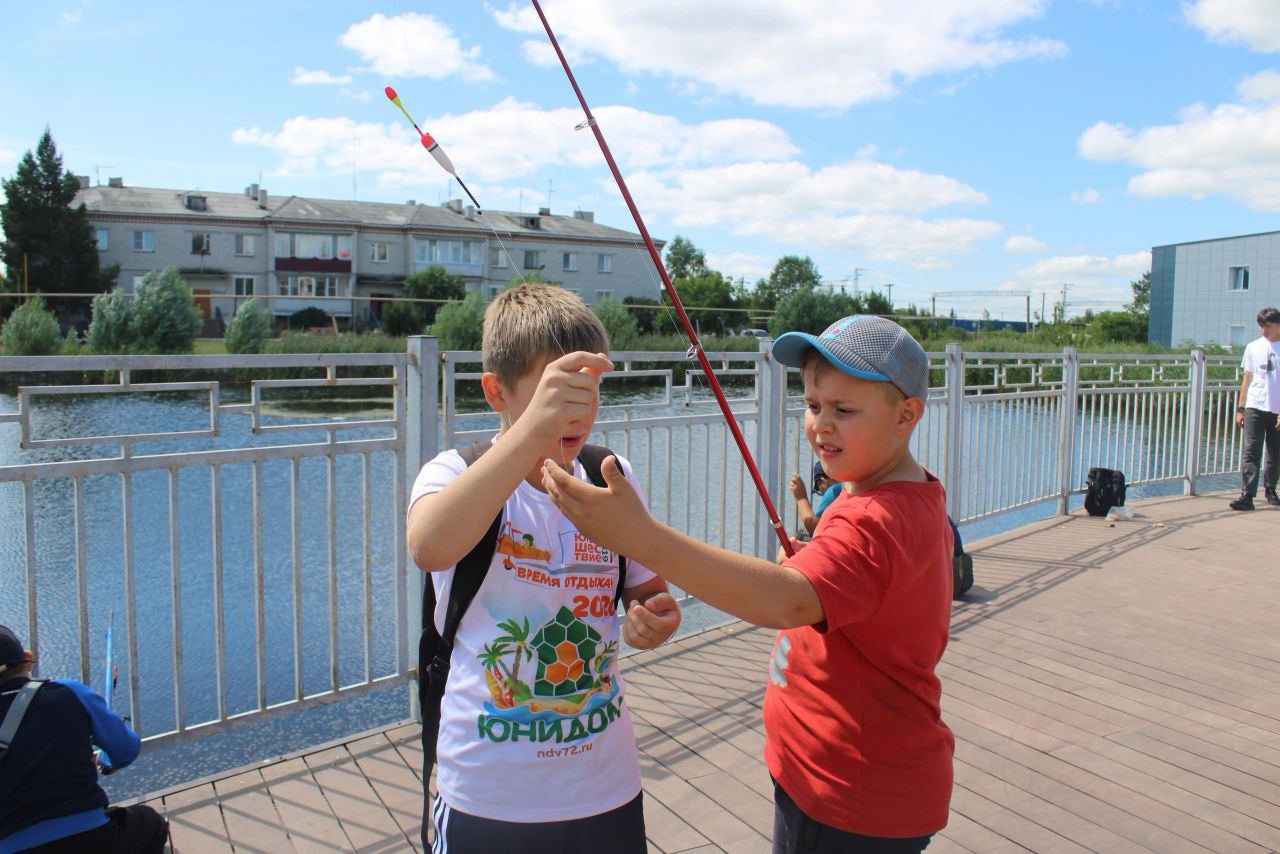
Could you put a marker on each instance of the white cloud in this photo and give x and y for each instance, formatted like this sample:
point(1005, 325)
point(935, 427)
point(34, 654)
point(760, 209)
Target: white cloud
point(744, 265)
point(1251, 22)
point(413, 45)
point(479, 142)
point(1023, 243)
point(1086, 197)
point(72, 17)
point(867, 50)
point(354, 94)
point(1263, 86)
point(739, 173)
point(303, 77)
point(1231, 150)
point(1092, 278)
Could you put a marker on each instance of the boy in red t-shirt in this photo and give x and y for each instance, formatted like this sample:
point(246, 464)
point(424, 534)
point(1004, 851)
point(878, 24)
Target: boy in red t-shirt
point(860, 757)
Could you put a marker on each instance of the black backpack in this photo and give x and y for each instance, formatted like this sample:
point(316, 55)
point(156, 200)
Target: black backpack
point(1104, 489)
point(435, 649)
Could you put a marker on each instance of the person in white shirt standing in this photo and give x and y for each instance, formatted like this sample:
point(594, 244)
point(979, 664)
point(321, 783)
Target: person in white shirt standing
point(1258, 411)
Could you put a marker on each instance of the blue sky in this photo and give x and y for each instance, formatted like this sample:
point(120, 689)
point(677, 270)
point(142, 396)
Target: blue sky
point(975, 144)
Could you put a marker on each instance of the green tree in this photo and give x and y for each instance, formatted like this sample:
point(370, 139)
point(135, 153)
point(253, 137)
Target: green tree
point(164, 318)
point(1111, 326)
point(646, 319)
point(41, 229)
point(684, 260)
point(810, 310)
point(249, 330)
point(790, 274)
point(459, 324)
point(109, 331)
point(1141, 303)
point(517, 635)
point(435, 283)
point(624, 332)
point(402, 318)
point(31, 330)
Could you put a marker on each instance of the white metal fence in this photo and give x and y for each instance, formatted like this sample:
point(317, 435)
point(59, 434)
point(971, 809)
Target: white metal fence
point(258, 556)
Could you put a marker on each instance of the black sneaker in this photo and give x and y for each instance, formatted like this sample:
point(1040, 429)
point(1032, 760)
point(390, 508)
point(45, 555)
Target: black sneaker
point(1241, 503)
point(1272, 498)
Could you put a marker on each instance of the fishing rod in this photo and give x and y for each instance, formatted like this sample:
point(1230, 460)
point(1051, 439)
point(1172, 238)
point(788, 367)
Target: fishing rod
point(695, 345)
point(112, 672)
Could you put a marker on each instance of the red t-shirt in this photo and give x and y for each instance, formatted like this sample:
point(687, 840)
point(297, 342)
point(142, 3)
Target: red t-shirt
point(853, 708)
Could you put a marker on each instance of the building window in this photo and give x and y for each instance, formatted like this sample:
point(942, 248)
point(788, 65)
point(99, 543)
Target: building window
point(494, 290)
point(448, 251)
point(1235, 334)
point(344, 247)
point(242, 286)
point(569, 262)
point(601, 295)
point(282, 246)
point(144, 241)
point(532, 259)
point(498, 258)
point(379, 251)
point(100, 237)
point(200, 243)
point(1238, 278)
point(246, 244)
point(312, 246)
point(604, 263)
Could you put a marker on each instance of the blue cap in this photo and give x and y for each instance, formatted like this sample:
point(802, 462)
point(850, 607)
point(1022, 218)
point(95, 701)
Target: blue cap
point(864, 346)
point(818, 471)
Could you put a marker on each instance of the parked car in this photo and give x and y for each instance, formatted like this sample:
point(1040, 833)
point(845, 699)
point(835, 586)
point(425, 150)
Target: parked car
point(755, 333)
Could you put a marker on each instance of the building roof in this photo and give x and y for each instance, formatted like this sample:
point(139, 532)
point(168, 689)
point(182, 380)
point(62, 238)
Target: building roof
point(1216, 239)
point(295, 210)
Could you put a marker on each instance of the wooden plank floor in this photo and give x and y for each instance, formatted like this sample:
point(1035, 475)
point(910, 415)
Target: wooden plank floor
point(1111, 688)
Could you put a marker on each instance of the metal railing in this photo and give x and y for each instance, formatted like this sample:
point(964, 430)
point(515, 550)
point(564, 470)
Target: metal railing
point(259, 559)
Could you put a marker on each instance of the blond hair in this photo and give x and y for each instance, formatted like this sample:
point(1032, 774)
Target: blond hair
point(536, 321)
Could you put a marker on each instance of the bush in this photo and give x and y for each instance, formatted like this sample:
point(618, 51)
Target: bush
point(434, 283)
point(308, 317)
point(164, 318)
point(31, 330)
point(109, 331)
point(402, 318)
point(249, 329)
point(459, 324)
point(624, 332)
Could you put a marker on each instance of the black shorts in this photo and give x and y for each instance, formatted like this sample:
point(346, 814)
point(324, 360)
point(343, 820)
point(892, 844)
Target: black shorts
point(138, 829)
point(796, 833)
point(618, 831)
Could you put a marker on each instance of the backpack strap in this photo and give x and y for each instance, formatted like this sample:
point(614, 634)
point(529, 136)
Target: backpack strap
point(13, 718)
point(592, 458)
point(435, 648)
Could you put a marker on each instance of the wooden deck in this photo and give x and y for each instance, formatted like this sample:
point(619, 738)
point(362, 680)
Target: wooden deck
point(1110, 688)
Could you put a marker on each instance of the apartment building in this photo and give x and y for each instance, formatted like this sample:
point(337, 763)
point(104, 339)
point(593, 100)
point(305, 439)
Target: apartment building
point(348, 257)
point(1209, 291)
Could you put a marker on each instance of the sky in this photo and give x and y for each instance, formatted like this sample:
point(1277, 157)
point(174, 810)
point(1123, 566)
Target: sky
point(927, 149)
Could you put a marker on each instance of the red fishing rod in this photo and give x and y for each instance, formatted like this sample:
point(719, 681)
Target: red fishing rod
point(696, 345)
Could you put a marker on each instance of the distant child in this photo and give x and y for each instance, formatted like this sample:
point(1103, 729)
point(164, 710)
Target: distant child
point(860, 757)
point(536, 749)
point(823, 486)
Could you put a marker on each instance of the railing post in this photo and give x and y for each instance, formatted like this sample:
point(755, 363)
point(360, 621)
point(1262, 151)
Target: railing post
point(421, 442)
point(1067, 429)
point(771, 381)
point(955, 429)
point(1195, 420)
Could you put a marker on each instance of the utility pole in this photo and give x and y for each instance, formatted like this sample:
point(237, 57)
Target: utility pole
point(1065, 287)
point(1028, 312)
point(889, 288)
point(857, 277)
point(1042, 302)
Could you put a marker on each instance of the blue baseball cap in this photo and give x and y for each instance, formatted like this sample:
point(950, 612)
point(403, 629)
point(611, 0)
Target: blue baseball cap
point(864, 346)
point(818, 472)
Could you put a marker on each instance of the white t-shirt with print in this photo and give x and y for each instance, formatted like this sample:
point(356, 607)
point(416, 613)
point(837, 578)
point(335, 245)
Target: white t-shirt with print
point(1262, 360)
point(533, 727)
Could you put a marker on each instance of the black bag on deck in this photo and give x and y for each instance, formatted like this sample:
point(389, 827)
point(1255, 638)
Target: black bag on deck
point(961, 564)
point(1104, 489)
point(435, 649)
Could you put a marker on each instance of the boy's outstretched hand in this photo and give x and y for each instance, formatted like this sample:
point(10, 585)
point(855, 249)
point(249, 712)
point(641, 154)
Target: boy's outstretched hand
point(651, 621)
point(614, 517)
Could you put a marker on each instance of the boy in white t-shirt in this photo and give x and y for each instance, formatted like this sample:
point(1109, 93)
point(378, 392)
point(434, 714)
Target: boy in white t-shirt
point(1257, 412)
point(536, 749)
